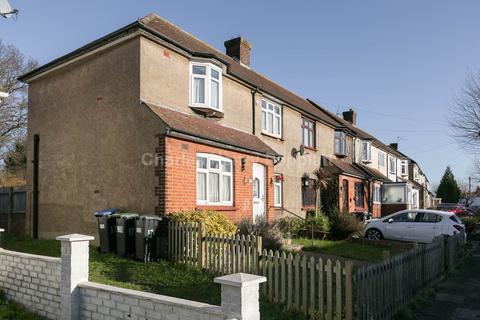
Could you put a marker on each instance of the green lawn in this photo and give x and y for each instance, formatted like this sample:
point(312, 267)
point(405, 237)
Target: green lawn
point(11, 311)
point(346, 249)
point(162, 277)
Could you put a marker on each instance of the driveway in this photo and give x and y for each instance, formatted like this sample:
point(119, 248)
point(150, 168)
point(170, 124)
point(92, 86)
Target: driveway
point(458, 296)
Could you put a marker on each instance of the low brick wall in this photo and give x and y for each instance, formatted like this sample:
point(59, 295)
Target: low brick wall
point(31, 280)
point(106, 302)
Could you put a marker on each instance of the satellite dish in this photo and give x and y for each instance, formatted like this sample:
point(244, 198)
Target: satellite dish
point(302, 150)
point(6, 9)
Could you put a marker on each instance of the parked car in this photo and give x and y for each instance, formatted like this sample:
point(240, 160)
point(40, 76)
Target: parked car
point(459, 209)
point(414, 225)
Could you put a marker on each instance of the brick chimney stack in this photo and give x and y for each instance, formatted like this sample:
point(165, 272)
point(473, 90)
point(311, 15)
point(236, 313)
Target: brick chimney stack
point(394, 145)
point(239, 49)
point(350, 116)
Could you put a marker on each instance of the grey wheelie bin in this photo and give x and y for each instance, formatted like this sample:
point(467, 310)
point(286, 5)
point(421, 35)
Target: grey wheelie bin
point(106, 229)
point(147, 242)
point(125, 233)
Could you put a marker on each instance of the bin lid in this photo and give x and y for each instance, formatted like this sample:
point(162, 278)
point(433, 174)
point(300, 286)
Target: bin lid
point(147, 217)
point(106, 212)
point(126, 215)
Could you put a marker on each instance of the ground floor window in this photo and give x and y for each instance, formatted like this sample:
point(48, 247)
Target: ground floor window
point(308, 193)
point(359, 194)
point(277, 190)
point(376, 193)
point(214, 180)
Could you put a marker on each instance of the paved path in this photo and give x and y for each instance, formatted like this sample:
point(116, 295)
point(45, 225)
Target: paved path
point(457, 297)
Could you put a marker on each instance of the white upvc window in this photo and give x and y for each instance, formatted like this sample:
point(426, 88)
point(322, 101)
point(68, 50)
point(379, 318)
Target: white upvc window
point(377, 193)
point(415, 173)
point(366, 151)
point(340, 143)
point(308, 133)
point(391, 165)
point(381, 159)
point(271, 118)
point(277, 190)
point(205, 86)
point(404, 170)
point(214, 180)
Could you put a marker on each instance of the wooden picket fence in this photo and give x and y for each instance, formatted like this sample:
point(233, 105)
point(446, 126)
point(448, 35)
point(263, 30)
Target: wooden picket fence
point(307, 284)
point(384, 288)
point(311, 285)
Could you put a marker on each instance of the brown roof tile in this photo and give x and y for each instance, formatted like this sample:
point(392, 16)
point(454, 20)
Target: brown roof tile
point(209, 130)
point(346, 167)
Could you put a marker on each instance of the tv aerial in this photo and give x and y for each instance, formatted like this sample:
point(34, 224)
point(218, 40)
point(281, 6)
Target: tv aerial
point(6, 9)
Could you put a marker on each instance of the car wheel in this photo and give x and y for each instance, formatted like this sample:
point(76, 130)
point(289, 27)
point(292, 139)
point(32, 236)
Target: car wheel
point(374, 234)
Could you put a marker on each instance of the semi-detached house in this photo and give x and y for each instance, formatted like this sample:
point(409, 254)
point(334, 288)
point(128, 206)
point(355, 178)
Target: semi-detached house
point(152, 120)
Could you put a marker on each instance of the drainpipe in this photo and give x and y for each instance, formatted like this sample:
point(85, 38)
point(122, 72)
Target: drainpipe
point(254, 92)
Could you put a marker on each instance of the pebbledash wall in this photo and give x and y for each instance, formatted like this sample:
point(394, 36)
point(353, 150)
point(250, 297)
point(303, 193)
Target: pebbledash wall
point(31, 280)
point(58, 288)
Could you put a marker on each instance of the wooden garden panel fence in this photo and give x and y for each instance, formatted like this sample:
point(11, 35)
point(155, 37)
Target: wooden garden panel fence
point(384, 288)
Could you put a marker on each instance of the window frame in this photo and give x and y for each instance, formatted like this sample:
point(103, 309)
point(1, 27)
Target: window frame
point(310, 130)
point(392, 169)
point(368, 156)
point(381, 155)
point(221, 173)
point(377, 193)
point(267, 111)
point(404, 168)
point(342, 138)
point(208, 85)
point(357, 203)
point(308, 193)
point(278, 197)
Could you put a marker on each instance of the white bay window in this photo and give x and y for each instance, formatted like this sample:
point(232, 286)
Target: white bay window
point(214, 180)
point(205, 86)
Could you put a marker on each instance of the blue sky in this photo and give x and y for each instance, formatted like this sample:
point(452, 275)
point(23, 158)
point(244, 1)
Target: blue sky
point(398, 64)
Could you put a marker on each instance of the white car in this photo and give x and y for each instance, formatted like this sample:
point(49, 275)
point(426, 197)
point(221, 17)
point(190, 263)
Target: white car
point(414, 225)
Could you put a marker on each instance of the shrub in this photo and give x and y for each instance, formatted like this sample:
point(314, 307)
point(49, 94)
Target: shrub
point(296, 227)
point(272, 237)
point(470, 225)
point(344, 225)
point(215, 222)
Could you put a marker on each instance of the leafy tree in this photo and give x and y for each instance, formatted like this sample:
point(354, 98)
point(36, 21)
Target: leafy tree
point(16, 159)
point(448, 188)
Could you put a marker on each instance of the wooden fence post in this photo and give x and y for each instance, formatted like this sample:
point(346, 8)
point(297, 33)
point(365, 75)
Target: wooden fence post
point(201, 245)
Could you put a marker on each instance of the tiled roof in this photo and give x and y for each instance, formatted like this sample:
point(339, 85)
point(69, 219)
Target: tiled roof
point(373, 173)
point(347, 168)
point(171, 31)
point(211, 131)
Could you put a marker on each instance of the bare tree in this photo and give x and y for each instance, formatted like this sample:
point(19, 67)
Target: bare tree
point(13, 109)
point(465, 115)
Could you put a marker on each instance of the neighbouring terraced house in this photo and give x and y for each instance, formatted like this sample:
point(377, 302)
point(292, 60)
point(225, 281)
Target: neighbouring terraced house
point(152, 120)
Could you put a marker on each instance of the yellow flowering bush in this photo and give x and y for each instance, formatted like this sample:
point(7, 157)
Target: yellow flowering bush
point(215, 222)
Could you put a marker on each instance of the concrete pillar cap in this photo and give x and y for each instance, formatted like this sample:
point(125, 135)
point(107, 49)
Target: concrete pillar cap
point(75, 237)
point(240, 280)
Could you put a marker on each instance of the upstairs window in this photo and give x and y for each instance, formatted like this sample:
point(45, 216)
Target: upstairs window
point(366, 151)
point(308, 133)
point(214, 180)
point(415, 173)
point(403, 169)
point(381, 159)
point(391, 165)
point(340, 142)
point(205, 86)
point(271, 118)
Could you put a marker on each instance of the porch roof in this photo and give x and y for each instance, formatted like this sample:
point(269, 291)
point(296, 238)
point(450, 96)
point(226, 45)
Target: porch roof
point(210, 131)
point(346, 168)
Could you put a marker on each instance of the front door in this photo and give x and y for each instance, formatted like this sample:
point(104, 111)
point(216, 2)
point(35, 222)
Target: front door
point(258, 191)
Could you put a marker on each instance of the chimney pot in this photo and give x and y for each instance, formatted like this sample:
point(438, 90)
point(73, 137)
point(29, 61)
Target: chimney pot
point(394, 145)
point(239, 49)
point(350, 116)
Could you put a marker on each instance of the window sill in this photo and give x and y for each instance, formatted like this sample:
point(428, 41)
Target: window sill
point(339, 155)
point(272, 136)
point(216, 208)
point(208, 112)
point(306, 208)
point(310, 148)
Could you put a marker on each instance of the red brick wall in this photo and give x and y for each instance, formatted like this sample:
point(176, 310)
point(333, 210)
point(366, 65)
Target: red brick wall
point(351, 194)
point(176, 174)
